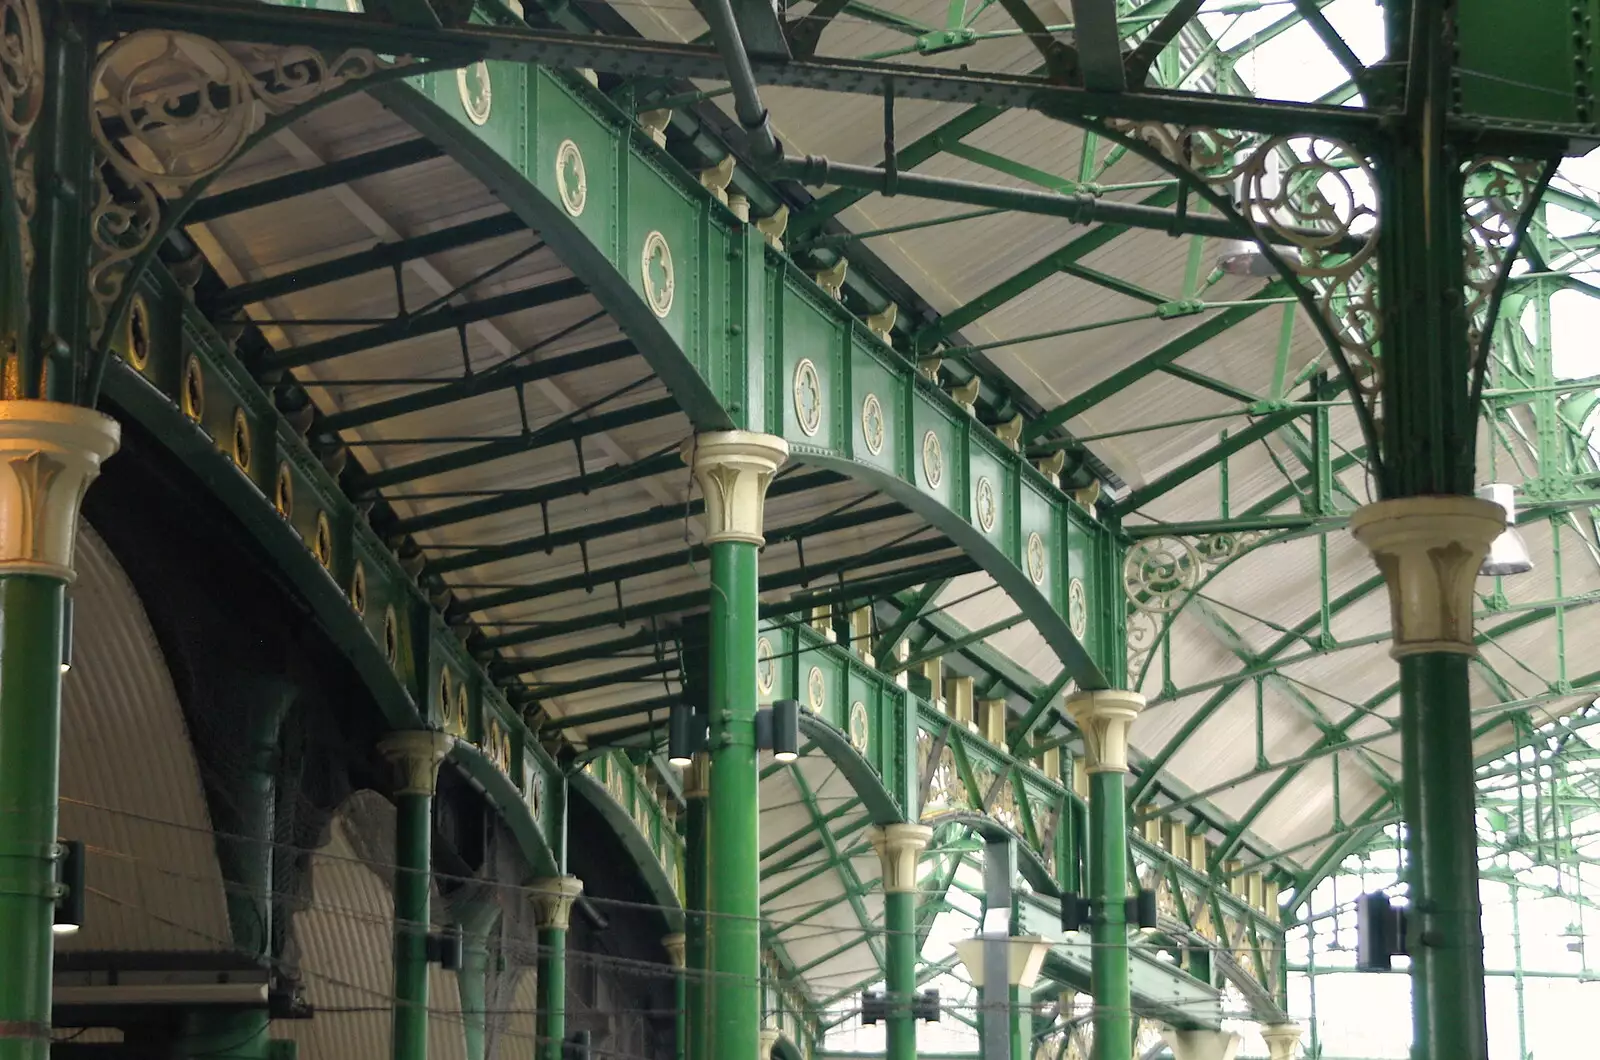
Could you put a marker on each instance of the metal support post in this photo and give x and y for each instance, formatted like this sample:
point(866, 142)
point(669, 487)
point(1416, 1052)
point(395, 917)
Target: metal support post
point(472, 980)
point(244, 818)
point(995, 998)
point(733, 469)
point(899, 846)
point(1429, 535)
point(675, 945)
point(552, 904)
point(416, 756)
point(1104, 718)
point(696, 787)
point(54, 452)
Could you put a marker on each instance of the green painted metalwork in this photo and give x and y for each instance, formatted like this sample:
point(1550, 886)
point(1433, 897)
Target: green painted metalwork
point(619, 790)
point(746, 339)
point(1158, 990)
point(413, 882)
point(30, 697)
point(733, 893)
point(194, 396)
point(1108, 890)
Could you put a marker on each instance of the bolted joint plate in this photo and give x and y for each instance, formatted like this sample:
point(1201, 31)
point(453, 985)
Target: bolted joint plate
point(51, 452)
point(734, 469)
point(899, 846)
point(1429, 550)
point(1104, 718)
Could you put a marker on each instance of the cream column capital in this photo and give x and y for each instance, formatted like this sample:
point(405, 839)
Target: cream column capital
point(899, 846)
point(1201, 1044)
point(552, 900)
point(51, 452)
point(1429, 550)
point(1104, 717)
point(734, 469)
point(769, 1039)
point(416, 754)
point(1283, 1040)
point(677, 948)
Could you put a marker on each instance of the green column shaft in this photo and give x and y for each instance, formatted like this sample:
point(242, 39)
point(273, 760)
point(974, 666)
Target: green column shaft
point(244, 817)
point(694, 885)
point(472, 983)
point(552, 1021)
point(900, 958)
point(30, 735)
point(733, 928)
point(413, 851)
point(1021, 1017)
point(680, 994)
point(1108, 890)
point(1434, 690)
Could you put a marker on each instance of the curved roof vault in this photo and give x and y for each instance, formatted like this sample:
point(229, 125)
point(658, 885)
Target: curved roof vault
point(518, 444)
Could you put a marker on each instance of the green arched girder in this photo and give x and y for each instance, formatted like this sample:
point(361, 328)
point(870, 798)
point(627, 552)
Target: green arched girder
point(411, 663)
point(637, 844)
point(744, 339)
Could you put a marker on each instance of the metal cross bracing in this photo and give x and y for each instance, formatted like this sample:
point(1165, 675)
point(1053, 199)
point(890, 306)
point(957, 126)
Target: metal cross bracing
point(1212, 441)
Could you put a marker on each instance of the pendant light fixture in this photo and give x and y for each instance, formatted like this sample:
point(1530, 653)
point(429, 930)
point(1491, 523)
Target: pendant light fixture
point(1508, 554)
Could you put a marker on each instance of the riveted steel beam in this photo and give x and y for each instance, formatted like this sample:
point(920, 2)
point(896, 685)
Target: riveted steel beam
point(562, 430)
point(633, 57)
point(1156, 360)
point(656, 516)
point(788, 579)
point(445, 318)
point(303, 182)
point(496, 378)
point(499, 501)
point(676, 558)
point(382, 256)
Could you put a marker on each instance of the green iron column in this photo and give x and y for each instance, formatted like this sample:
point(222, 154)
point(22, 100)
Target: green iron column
point(695, 789)
point(1428, 534)
point(1103, 718)
point(552, 907)
point(53, 452)
point(899, 846)
point(733, 469)
point(416, 756)
point(244, 818)
point(476, 922)
point(675, 945)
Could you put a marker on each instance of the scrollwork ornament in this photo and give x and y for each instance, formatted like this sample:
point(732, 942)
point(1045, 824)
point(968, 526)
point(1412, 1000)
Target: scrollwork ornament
point(21, 101)
point(1159, 573)
point(1497, 193)
point(184, 107)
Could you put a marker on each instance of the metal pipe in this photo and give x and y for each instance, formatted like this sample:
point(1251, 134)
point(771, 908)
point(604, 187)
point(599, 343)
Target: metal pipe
point(764, 146)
